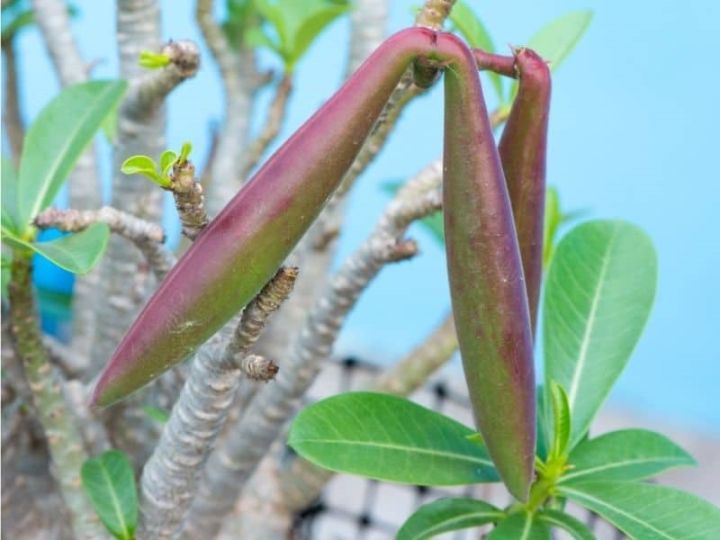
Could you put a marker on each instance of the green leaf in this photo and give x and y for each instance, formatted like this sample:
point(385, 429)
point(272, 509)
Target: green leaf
point(598, 295)
point(256, 37)
point(553, 220)
point(152, 60)
point(389, 438)
point(561, 419)
point(473, 30)
point(630, 454)
point(542, 429)
point(297, 23)
point(185, 151)
point(156, 413)
point(560, 520)
point(61, 132)
point(520, 526)
point(447, 515)
point(167, 160)
point(77, 253)
point(648, 512)
point(556, 40)
point(9, 197)
point(110, 484)
point(145, 166)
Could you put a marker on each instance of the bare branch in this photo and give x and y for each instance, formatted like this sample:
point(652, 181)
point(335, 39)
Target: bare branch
point(246, 443)
point(273, 123)
point(434, 13)
point(12, 119)
point(147, 237)
point(169, 479)
point(240, 80)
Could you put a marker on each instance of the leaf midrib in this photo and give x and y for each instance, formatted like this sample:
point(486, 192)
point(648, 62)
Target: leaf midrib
point(428, 533)
point(115, 502)
point(608, 466)
point(410, 449)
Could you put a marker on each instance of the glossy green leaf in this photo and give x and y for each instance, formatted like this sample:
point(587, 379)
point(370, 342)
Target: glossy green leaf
point(77, 253)
point(110, 484)
point(543, 429)
point(648, 512)
point(520, 526)
point(54, 142)
point(629, 454)
point(553, 220)
point(447, 515)
point(477, 36)
point(598, 295)
point(145, 166)
point(9, 196)
point(152, 60)
point(561, 419)
point(560, 520)
point(555, 41)
point(167, 160)
point(389, 438)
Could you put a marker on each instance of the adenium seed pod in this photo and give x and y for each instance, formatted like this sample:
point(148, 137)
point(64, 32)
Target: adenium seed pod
point(486, 279)
point(241, 249)
point(522, 148)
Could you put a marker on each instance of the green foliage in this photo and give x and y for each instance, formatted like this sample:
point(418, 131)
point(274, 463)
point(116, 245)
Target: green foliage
point(630, 454)
point(77, 253)
point(470, 27)
point(561, 421)
point(5, 273)
point(648, 512)
point(446, 515)
point(560, 520)
point(389, 438)
point(9, 215)
point(520, 525)
point(556, 40)
point(598, 295)
point(153, 60)
point(110, 485)
point(295, 25)
point(161, 416)
point(16, 15)
point(157, 173)
point(54, 142)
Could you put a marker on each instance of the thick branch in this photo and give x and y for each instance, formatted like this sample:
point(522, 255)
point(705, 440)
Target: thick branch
point(147, 237)
point(246, 443)
point(12, 119)
point(170, 476)
point(64, 440)
point(273, 123)
point(189, 199)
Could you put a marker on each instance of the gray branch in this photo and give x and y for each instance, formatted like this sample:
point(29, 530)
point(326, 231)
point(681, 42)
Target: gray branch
point(169, 478)
point(246, 443)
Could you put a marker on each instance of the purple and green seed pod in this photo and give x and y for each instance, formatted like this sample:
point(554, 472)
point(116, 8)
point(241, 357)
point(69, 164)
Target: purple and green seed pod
point(241, 249)
point(523, 149)
point(486, 279)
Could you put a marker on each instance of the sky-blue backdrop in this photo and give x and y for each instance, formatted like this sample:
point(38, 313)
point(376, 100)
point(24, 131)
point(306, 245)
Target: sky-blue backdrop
point(633, 135)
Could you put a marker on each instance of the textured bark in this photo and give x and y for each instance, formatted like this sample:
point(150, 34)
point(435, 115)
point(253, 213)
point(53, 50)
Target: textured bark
point(231, 464)
point(63, 438)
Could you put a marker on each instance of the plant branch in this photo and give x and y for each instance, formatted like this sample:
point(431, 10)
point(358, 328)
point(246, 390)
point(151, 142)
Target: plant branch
point(170, 476)
point(64, 440)
point(147, 237)
point(12, 119)
point(189, 199)
point(240, 80)
point(273, 123)
point(246, 443)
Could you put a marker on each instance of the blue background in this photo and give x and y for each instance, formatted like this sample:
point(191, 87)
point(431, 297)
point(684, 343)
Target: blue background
point(633, 135)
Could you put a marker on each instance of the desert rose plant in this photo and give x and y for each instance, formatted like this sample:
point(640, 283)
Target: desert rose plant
point(196, 398)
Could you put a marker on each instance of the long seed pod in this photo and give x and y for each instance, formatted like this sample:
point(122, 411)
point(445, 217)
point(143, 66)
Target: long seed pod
point(523, 149)
point(486, 279)
point(242, 248)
